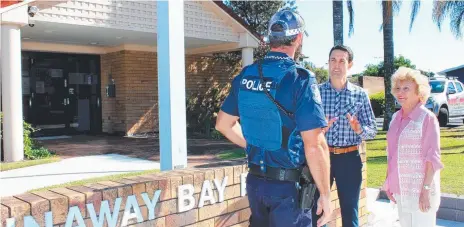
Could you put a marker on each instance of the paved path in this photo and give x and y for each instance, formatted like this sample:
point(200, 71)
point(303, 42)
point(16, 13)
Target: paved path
point(384, 214)
point(199, 151)
point(71, 169)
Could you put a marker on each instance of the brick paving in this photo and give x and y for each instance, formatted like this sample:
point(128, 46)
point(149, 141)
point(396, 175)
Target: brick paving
point(199, 151)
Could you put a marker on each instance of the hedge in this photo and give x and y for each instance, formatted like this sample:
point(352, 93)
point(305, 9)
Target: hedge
point(378, 103)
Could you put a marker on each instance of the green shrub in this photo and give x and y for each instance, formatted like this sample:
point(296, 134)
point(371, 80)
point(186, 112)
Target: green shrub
point(38, 153)
point(28, 142)
point(378, 103)
point(215, 134)
point(32, 150)
point(202, 110)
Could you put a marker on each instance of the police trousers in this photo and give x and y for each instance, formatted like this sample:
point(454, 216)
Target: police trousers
point(274, 203)
point(346, 170)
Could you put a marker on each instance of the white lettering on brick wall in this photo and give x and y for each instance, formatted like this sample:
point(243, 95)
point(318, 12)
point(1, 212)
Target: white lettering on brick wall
point(74, 212)
point(151, 204)
point(221, 188)
point(206, 194)
point(30, 222)
point(185, 202)
point(131, 203)
point(105, 212)
point(243, 184)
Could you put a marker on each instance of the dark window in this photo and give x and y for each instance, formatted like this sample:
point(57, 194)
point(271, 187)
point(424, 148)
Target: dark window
point(437, 86)
point(451, 86)
point(459, 87)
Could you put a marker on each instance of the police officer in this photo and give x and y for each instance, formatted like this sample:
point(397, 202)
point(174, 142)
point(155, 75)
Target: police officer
point(281, 120)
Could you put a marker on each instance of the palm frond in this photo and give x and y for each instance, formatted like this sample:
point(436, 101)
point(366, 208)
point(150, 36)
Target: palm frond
point(393, 8)
point(396, 6)
point(439, 12)
point(452, 9)
point(415, 6)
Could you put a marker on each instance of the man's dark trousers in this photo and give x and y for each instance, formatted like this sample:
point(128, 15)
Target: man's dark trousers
point(346, 170)
point(275, 203)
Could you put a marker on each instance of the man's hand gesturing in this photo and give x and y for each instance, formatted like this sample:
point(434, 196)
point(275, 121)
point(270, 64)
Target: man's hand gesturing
point(354, 123)
point(329, 123)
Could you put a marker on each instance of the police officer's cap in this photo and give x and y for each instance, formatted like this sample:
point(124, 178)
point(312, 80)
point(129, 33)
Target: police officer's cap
point(291, 23)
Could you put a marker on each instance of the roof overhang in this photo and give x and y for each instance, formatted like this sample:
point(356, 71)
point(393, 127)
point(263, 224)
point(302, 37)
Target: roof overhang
point(237, 19)
point(452, 69)
point(53, 25)
point(8, 5)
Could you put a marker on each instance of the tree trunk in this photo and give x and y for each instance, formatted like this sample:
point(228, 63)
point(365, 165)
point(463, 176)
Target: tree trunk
point(337, 7)
point(388, 55)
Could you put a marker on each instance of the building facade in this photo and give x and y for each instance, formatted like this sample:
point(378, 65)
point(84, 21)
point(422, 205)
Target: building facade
point(110, 66)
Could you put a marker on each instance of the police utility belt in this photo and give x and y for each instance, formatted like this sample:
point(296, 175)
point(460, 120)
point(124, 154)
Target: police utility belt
point(302, 176)
point(274, 173)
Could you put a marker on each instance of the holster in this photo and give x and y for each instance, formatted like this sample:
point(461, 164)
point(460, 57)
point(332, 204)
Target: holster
point(307, 189)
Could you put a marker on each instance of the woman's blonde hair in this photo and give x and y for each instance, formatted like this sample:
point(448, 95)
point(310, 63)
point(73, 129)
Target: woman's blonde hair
point(408, 74)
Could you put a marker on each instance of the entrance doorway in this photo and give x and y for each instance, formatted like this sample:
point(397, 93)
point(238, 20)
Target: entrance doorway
point(61, 93)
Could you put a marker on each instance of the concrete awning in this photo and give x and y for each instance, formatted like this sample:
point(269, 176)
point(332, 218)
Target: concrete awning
point(101, 27)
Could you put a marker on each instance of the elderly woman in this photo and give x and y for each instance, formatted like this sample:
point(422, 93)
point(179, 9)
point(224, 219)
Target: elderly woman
point(413, 146)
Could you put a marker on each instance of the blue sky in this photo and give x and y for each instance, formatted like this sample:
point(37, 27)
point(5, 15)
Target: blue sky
point(425, 45)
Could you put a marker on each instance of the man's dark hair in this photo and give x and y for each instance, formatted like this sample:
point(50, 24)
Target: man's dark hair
point(275, 42)
point(343, 48)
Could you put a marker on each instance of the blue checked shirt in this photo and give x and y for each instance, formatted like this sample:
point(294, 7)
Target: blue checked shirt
point(354, 100)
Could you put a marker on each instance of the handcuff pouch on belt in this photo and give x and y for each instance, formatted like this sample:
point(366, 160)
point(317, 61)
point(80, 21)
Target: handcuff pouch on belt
point(307, 186)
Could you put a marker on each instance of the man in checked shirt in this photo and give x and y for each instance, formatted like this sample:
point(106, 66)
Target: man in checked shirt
point(351, 120)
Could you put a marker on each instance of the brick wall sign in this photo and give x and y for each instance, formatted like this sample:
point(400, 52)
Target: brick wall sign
point(189, 197)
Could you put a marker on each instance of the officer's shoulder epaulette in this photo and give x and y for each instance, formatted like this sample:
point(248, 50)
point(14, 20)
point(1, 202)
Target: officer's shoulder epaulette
point(304, 72)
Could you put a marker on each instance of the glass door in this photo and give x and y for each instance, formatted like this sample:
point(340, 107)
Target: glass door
point(49, 99)
point(84, 93)
point(61, 93)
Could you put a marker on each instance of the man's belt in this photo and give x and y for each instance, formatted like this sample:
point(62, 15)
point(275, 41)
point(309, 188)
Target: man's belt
point(276, 173)
point(343, 150)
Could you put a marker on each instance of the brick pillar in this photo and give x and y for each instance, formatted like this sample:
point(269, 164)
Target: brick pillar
point(362, 211)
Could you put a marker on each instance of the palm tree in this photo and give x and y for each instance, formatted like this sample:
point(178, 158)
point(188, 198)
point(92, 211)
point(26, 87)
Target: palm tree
point(388, 57)
point(337, 15)
point(389, 9)
point(452, 9)
point(441, 9)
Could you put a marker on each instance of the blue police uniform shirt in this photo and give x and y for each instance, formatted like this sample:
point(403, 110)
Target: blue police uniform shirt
point(273, 138)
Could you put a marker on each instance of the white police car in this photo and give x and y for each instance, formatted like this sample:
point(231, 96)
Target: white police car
point(446, 100)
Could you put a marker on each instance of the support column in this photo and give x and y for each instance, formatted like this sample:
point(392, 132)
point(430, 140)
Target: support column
point(171, 85)
point(12, 93)
point(247, 56)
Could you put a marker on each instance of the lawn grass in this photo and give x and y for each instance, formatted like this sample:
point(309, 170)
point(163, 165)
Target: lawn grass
point(231, 154)
point(452, 156)
point(21, 164)
point(114, 177)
